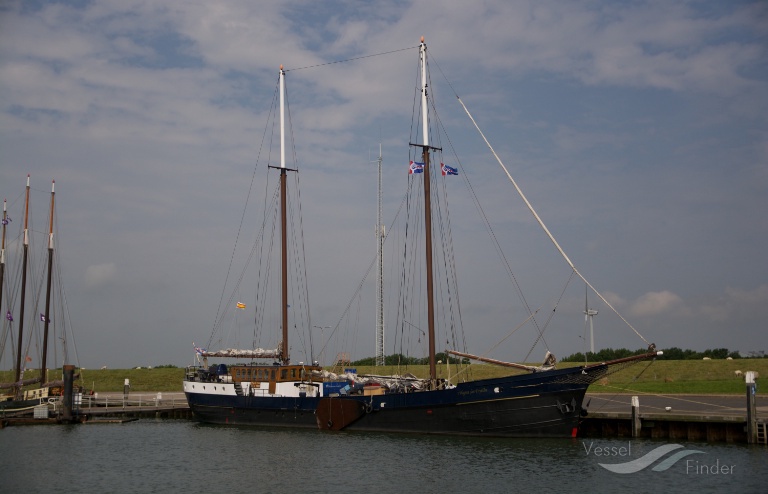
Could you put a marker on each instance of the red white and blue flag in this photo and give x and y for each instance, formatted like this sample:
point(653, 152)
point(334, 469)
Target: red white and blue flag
point(416, 167)
point(448, 170)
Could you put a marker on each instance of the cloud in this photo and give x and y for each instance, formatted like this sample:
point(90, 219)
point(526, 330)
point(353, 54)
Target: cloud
point(654, 303)
point(99, 274)
point(151, 116)
point(614, 299)
point(736, 303)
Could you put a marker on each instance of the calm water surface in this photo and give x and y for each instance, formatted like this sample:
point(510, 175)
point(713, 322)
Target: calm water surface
point(166, 456)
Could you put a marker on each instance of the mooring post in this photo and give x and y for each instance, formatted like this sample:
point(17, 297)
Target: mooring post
point(749, 377)
point(69, 374)
point(636, 425)
point(126, 388)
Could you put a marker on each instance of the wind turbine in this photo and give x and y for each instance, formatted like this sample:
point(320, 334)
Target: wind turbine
point(589, 314)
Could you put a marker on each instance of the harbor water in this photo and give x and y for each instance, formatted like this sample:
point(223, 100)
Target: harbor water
point(167, 456)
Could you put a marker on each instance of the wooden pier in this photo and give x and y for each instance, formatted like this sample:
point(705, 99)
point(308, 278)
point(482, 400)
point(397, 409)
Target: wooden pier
point(710, 418)
point(109, 408)
point(674, 427)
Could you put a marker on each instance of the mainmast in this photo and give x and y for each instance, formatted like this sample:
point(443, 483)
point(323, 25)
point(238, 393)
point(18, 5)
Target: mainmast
point(425, 147)
point(379, 276)
point(23, 283)
point(283, 222)
point(46, 317)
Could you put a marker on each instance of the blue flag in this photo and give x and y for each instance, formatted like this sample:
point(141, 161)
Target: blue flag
point(416, 167)
point(447, 170)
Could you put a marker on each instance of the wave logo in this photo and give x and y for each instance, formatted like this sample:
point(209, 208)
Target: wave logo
point(650, 457)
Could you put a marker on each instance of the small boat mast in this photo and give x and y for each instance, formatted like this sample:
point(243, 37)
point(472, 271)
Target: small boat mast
point(23, 283)
point(45, 316)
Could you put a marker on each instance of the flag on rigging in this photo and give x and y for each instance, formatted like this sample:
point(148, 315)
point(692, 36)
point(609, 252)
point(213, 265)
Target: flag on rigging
point(9, 316)
point(448, 170)
point(240, 305)
point(43, 318)
point(416, 167)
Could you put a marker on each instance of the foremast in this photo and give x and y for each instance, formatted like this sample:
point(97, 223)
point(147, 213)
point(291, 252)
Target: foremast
point(283, 223)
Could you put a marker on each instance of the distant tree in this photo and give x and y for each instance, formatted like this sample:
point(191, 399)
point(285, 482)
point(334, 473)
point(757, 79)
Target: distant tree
point(368, 361)
point(576, 357)
point(673, 353)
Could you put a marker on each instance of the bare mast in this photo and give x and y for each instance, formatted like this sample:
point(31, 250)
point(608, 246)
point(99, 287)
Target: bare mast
point(2, 251)
point(380, 358)
point(23, 283)
point(46, 317)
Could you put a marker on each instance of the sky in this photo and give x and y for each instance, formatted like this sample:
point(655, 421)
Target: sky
point(636, 129)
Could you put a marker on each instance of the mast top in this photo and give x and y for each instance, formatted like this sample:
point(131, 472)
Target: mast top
point(422, 39)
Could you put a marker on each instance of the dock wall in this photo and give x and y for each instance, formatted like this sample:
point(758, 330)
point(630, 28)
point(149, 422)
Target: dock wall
point(665, 426)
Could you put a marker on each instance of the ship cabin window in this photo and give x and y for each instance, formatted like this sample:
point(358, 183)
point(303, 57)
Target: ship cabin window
point(293, 373)
point(283, 374)
point(272, 377)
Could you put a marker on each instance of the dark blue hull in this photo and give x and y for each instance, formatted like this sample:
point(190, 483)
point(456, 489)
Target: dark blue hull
point(533, 405)
point(18, 406)
point(249, 410)
point(546, 404)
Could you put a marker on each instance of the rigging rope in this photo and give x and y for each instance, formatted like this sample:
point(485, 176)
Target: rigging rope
point(352, 59)
point(493, 237)
point(533, 211)
point(219, 314)
point(544, 227)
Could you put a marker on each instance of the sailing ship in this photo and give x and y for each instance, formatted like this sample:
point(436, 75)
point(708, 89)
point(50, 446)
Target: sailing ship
point(22, 395)
point(543, 401)
point(276, 392)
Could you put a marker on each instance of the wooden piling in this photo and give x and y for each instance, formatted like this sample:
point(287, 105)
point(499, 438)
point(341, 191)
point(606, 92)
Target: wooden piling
point(636, 425)
point(749, 377)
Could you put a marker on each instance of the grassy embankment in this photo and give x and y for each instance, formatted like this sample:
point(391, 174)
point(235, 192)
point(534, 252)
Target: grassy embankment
point(660, 377)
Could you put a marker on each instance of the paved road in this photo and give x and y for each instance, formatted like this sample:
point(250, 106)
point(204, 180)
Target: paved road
point(730, 405)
